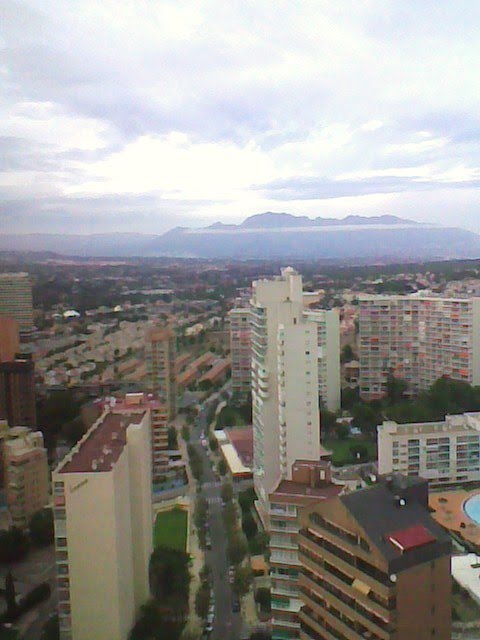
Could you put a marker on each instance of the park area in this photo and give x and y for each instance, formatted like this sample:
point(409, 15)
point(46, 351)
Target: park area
point(170, 529)
point(350, 451)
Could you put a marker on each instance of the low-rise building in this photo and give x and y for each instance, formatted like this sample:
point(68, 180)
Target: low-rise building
point(442, 452)
point(26, 474)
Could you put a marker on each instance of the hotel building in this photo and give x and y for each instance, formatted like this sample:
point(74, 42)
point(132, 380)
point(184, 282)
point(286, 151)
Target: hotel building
point(103, 528)
point(240, 350)
point(375, 565)
point(25, 466)
point(419, 339)
point(160, 353)
point(311, 482)
point(286, 425)
point(441, 452)
point(16, 301)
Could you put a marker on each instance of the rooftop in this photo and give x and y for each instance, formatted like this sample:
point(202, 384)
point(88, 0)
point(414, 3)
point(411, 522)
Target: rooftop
point(291, 488)
point(102, 445)
point(451, 424)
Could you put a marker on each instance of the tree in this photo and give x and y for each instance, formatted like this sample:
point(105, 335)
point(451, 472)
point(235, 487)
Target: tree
point(213, 442)
point(10, 596)
point(14, 545)
point(172, 438)
point(185, 433)
point(51, 629)
point(342, 431)
point(328, 421)
point(350, 396)
point(263, 598)
point(227, 492)
point(169, 576)
point(366, 418)
point(222, 467)
point(42, 530)
point(237, 548)
point(395, 388)
point(202, 600)
point(242, 580)
point(347, 354)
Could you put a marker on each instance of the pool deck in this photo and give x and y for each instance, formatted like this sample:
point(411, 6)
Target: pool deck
point(449, 513)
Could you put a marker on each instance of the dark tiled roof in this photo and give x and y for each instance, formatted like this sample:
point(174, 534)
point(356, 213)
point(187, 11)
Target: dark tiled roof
point(379, 512)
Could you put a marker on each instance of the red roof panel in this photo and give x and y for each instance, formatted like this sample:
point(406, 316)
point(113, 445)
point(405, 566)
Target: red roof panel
point(411, 538)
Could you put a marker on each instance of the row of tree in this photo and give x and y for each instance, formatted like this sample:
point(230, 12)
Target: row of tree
point(16, 543)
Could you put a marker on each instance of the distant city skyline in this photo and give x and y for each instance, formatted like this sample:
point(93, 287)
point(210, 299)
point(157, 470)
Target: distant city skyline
point(127, 116)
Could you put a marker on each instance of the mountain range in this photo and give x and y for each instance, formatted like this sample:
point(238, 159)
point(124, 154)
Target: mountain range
point(271, 235)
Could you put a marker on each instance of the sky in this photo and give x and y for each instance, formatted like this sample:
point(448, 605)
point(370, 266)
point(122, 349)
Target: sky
point(143, 115)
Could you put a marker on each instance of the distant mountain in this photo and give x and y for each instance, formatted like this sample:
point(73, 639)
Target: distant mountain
point(281, 235)
point(272, 235)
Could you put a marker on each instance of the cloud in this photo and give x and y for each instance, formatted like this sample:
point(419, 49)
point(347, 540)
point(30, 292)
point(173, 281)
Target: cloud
point(225, 109)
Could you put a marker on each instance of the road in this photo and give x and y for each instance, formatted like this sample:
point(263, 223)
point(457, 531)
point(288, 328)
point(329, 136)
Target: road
point(226, 623)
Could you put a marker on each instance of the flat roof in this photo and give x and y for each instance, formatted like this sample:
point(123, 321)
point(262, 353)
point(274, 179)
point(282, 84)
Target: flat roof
point(235, 465)
point(242, 439)
point(102, 446)
point(291, 488)
point(466, 571)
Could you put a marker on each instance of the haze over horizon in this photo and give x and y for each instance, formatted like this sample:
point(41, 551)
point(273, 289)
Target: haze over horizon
point(128, 116)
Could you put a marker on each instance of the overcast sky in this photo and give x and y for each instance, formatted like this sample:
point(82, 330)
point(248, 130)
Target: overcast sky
point(141, 115)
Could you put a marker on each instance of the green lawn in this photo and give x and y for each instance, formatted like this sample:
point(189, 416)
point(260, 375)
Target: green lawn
point(342, 453)
point(171, 529)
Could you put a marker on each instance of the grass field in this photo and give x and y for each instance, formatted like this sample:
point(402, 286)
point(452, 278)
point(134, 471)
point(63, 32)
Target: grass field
point(342, 453)
point(171, 529)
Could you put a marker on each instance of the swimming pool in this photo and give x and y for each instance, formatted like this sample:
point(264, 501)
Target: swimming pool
point(472, 508)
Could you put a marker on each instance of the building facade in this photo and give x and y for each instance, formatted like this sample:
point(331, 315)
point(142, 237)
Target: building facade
point(419, 339)
point(103, 524)
point(9, 339)
point(311, 482)
point(17, 393)
point(286, 424)
point(16, 301)
point(328, 354)
point(441, 452)
point(364, 556)
point(160, 352)
point(240, 350)
point(26, 474)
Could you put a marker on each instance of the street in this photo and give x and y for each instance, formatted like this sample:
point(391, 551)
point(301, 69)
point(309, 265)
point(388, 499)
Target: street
point(226, 623)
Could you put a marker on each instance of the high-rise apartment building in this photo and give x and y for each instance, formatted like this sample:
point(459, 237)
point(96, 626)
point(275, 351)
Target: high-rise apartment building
point(26, 474)
point(160, 352)
point(418, 338)
point(103, 528)
point(240, 350)
point(311, 482)
point(375, 565)
point(328, 355)
point(286, 425)
point(17, 393)
point(16, 301)
point(447, 451)
point(9, 339)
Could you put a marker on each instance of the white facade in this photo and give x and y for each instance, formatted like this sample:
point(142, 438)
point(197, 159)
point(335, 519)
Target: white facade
point(286, 424)
point(441, 452)
point(103, 528)
point(418, 338)
point(328, 355)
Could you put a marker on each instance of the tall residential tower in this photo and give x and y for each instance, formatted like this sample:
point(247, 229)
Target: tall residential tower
point(286, 425)
point(160, 351)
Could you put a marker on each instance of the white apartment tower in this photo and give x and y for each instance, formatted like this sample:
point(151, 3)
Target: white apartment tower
point(286, 425)
point(418, 338)
point(103, 528)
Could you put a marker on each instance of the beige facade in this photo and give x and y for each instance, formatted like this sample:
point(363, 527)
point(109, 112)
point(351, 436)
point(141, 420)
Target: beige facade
point(26, 474)
point(16, 301)
point(419, 339)
point(441, 452)
point(311, 482)
point(9, 339)
point(103, 528)
point(160, 353)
